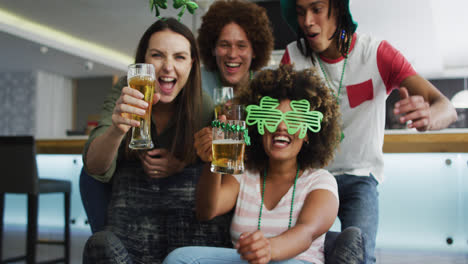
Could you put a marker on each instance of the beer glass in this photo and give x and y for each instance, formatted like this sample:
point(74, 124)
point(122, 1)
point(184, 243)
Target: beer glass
point(228, 148)
point(222, 97)
point(141, 76)
point(234, 112)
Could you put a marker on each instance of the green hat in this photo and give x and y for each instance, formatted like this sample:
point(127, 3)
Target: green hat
point(288, 9)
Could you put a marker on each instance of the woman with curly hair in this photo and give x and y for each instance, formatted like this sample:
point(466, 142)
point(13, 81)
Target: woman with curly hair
point(235, 40)
point(284, 202)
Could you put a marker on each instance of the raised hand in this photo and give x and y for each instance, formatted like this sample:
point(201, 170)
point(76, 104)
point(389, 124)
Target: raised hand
point(129, 103)
point(203, 140)
point(413, 108)
point(202, 143)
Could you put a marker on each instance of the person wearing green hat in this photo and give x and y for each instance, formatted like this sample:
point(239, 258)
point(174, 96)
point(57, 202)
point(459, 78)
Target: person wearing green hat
point(361, 71)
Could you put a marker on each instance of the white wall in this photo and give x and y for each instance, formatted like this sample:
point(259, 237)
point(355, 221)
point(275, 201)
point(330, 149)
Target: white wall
point(430, 33)
point(54, 108)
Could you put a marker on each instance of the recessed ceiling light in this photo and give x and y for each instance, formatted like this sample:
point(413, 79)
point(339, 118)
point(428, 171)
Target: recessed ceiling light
point(89, 65)
point(44, 49)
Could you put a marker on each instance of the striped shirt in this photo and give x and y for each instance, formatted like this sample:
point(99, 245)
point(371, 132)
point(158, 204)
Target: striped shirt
point(275, 221)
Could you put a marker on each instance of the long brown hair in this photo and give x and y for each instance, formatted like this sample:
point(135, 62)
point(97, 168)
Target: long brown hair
point(189, 101)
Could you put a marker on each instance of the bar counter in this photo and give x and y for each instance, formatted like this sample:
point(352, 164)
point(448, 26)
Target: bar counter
point(395, 141)
point(455, 141)
point(69, 145)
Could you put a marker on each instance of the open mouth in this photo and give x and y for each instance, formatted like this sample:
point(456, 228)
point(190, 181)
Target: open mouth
point(313, 35)
point(281, 140)
point(232, 66)
point(166, 84)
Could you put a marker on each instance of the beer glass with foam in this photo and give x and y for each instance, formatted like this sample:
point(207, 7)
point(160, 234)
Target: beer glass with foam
point(141, 76)
point(228, 148)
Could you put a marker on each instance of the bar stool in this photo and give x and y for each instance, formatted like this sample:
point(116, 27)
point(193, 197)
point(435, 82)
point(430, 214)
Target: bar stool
point(18, 174)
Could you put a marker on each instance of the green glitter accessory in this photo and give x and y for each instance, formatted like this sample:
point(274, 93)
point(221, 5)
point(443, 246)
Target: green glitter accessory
point(232, 128)
point(184, 4)
point(156, 4)
point(292, 199)
point(299, 118)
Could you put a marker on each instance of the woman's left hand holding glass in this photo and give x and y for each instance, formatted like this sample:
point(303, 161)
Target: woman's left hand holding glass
point(160, 163)
point(202, 143)
point(254, 247)
point(203, 140)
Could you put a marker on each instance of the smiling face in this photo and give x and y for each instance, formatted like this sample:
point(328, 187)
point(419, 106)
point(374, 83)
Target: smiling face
point(234, 54)
point(281, 146)
point(312, 17)
point(170, 54)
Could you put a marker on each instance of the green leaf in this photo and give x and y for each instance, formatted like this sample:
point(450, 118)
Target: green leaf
point(181, 13)
point(178, 3)
point(161, 3)
point(157, 11)
point(192, 6)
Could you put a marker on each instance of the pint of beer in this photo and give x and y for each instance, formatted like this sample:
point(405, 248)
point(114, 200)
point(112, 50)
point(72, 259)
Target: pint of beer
point(228, 149)
point(141, 77)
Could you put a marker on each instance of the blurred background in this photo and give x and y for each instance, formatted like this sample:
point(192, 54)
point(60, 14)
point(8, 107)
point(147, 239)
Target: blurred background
point(60, 58)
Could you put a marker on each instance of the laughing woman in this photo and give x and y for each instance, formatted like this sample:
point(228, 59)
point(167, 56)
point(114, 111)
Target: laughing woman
point(284, 202)
point(152, 207)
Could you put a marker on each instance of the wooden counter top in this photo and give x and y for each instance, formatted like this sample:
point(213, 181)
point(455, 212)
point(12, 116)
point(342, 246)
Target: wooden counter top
point(393, 143)
point(422, 142)
point(60, 146)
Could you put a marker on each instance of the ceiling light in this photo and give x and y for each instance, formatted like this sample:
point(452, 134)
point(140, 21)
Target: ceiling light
point(22, 27)
point(44, 49)
point(89, 65)
point(460, 99)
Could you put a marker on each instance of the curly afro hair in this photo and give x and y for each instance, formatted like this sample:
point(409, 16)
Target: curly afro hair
point(250, 17)
point(286, 83)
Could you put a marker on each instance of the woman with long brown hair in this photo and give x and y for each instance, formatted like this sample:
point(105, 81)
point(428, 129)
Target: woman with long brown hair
point(151, 210)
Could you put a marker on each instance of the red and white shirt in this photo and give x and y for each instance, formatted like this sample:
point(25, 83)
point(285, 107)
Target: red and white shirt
point(373, 69)
point(275, 221)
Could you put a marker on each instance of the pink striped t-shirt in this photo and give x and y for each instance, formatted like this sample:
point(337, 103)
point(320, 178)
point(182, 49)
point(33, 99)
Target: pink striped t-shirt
point(275, 221)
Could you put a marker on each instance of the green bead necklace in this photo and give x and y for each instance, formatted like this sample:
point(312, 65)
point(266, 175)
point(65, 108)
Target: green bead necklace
point(292, 199)
point(341, 79)
point(342, 73)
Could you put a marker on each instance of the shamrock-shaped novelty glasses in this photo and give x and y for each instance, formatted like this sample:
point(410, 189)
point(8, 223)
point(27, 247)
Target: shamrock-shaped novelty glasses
point(299, 118)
